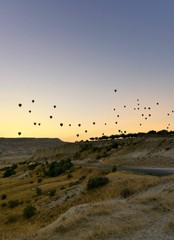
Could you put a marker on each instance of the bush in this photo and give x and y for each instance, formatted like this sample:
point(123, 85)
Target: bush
point(39, 180)
point(114, 169)
point(4, 196)
point(38, 191)
point(3, 205)
point(9, 172)
point(97, 182)
point(11, 219)
point(57, 168)
point(126, 192)
point(82, 178)
point(13, 203)
point(52, 192)
point(29, 212)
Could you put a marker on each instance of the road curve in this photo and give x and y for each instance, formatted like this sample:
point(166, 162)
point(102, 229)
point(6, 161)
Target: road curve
point(145, 170)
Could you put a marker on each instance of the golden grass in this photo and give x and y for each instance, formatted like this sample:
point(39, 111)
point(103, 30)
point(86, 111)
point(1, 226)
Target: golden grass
point(24, 189)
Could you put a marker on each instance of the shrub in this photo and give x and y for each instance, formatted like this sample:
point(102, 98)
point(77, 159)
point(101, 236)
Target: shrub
point(114, 169)
point(126, 192)
point(4, 205)
point(13, 203)
point(39, 180)
point(9, 172)
point(4, 196)
point(57, 168)
point(82, 178)
point(52, 192)
point(38, 191)
point(69, 175)
point(29, 211)
point(97, 182)
point(11, 219)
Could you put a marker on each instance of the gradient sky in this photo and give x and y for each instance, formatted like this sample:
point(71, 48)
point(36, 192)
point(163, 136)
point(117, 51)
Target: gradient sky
point(74, 53)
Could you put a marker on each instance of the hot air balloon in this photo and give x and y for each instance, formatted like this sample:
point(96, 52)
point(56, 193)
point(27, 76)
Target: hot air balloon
point(33, 101)
point(20, 104)
point(29, 111)
point(34, 123)
point(86, 131)
point(115, 90)
point(39, 124)
point(69, 125)
point(77, 135)
point(51, 117)
point(54, 106)
point(61, 124)
point(19, 133)
point(93, 123)
point(79, 125)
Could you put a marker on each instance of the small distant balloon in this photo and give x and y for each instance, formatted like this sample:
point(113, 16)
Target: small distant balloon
point(39, 124)
point(34, 123)
point(69, 125)
point(54, 106)
point(115, 90)
point(61, 124)
point(19, 133)
point(51, 117)
point(33, 101)
point(77, 135)
point(79, 125)
point(86, 131)
point(93, 123)
point(29, 111)
point(20, 104)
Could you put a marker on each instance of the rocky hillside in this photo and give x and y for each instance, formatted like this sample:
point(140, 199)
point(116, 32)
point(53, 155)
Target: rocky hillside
point(147, 151)
point(14, 148)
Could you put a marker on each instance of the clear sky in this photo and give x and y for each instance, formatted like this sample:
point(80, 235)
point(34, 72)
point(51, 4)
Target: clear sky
point(73, 54)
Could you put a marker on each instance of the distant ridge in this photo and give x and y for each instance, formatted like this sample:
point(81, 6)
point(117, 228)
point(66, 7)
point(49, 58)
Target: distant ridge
point(13, 148)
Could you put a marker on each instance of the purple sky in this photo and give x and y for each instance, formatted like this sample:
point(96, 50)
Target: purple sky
point(74, 54)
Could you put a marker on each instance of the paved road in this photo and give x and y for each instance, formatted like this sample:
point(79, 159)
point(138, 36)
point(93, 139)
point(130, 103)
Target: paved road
point(145, 170)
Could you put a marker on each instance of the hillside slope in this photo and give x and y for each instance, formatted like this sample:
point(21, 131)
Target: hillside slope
point(17, 148)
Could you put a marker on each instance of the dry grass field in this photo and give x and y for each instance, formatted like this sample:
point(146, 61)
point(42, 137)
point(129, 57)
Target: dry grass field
point(129, 206)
